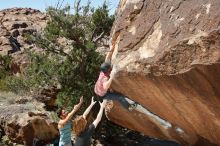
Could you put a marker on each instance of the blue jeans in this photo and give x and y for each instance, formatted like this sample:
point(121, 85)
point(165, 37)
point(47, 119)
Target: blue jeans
point(118, 97)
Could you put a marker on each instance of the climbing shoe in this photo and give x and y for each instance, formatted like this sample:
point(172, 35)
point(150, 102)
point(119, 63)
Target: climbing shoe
point(132, 106)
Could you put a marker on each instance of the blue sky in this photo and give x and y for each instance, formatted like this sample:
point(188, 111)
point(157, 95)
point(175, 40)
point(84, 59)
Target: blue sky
point(42, 4)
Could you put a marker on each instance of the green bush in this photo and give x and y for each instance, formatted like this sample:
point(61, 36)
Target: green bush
point(4, 71)
point(3, 85)
point(16, 84)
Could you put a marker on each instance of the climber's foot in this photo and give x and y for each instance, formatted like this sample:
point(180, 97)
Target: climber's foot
point(132, 106)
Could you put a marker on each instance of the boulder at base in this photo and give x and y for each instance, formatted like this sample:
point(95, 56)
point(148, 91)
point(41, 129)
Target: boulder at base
point(23, 123)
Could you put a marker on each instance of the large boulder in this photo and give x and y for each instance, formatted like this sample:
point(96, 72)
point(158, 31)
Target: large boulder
point(167, 56)
point(22, 123)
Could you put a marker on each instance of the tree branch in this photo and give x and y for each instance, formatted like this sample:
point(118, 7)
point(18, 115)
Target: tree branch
point(98, 37)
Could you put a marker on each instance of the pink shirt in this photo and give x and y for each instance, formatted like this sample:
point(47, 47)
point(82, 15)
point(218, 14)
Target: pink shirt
point(99, 90)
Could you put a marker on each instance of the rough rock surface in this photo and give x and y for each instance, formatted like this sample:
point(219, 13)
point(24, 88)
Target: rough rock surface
point(48, 96)
point(167, 56)
point(18, 21)
point(24, 122)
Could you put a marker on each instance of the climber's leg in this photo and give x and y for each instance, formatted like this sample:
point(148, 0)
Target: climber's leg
point(120, 98)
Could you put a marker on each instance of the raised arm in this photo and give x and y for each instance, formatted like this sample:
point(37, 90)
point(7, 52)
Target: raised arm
point(99, 116)
point(76, 107)
point(109, 54)
point(74, 110)
point(89, 108)
point(107, 84)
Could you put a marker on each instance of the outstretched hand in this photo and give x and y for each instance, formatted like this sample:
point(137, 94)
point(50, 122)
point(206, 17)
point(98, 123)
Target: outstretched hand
point(102, 104)
point(92, 101)
point(77, 106)
point(81, 99)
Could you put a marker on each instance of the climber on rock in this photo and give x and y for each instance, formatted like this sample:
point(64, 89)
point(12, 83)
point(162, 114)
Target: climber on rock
point(82, 129)
point(104, 82)
point(65, 124)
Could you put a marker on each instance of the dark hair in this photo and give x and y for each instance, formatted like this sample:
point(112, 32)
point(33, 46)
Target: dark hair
point(59, 112)
point(105, 67)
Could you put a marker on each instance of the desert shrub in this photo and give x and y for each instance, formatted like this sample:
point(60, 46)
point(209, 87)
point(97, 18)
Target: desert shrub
point(4, 71)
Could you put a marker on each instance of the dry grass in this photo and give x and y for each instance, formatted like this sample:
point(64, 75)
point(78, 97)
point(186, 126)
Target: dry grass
point(7, 97)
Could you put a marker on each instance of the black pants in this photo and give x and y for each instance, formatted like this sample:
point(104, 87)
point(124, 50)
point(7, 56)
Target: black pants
point(117, 96)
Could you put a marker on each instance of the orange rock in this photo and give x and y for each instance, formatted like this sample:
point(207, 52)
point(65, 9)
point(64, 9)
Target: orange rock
point(167, 54)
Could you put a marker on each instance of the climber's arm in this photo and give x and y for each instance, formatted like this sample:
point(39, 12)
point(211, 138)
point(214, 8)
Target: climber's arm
point(69, 116)
point(109, 54)
point(107, 83)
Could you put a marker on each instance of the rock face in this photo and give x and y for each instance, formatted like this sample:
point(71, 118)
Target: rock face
point(17, 22)
point(48, 96)
point(22, 123)
point(167, 56)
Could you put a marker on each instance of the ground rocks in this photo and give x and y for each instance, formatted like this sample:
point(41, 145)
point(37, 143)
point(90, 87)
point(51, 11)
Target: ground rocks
point(22, 123)
point(47, 96)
